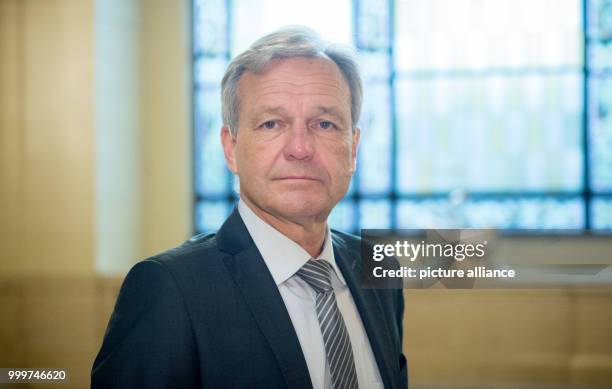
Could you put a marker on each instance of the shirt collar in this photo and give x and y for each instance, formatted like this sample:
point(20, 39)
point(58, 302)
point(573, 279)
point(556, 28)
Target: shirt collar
point(282, 256)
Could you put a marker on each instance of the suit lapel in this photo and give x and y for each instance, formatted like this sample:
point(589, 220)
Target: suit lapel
point(253, 279)
point(369, 308)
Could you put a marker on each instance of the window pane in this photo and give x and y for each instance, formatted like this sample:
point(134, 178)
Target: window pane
point(208, 71)
point(601, 56)
point(474, 34)
point(490, 133)
point(601, 212)
point(210, 26)
point(374, 66)
point(514, 213)
point(373, 24)
point(342, 216)
point(211, 214)
point(600, 133)
point(255, 18)
point(600, 19)
point(375, 147)
point(375, 214)
point(211, 174)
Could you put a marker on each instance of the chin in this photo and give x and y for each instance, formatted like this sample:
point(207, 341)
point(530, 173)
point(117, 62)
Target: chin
point(302, 207)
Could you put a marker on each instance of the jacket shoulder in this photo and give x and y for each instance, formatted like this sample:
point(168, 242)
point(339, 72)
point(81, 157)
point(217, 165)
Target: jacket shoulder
point(199, 253)
point(351, 241)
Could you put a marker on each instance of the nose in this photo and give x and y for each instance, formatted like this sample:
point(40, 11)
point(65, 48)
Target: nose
point(299, 144)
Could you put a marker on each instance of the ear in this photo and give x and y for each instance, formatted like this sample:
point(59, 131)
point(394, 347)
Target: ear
point(354, 148)
point(228, 141)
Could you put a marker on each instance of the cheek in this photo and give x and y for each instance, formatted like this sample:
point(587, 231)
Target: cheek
point(254, 158)
point(343, 152)
point(338, 159)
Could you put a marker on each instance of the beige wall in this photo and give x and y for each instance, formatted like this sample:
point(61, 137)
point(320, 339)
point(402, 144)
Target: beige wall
point(166, 91)
point(47, 137)
point(95, 166)
point(95, 124)
point(507, 338)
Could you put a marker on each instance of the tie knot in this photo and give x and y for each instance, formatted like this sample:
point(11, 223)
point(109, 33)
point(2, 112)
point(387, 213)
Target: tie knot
point(317, 273)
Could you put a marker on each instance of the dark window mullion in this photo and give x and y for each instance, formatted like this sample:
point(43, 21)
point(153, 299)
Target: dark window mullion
point(355, 194)
point(393, 114)
point(231, 196)
point(586, 179)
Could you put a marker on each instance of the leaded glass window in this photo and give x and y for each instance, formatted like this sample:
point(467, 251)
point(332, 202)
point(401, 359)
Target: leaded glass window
point(476, 113)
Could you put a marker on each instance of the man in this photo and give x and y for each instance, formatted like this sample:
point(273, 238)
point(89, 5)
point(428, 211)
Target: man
point(273, 299)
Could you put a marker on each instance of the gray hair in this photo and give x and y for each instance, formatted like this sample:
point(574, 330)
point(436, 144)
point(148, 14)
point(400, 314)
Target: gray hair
point(288, 42)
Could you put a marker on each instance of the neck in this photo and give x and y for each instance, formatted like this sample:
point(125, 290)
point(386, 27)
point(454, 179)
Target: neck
point(309, 234)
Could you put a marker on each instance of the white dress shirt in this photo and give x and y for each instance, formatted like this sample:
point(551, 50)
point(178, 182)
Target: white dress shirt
point(284, 258)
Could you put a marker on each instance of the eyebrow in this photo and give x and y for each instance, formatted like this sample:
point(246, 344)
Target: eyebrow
point(274, 110)
point(333, 112)
point(266, 110)
point(282, 112)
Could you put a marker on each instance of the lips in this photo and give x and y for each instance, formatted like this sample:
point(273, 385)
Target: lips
point(299, 178)
point(305, 178)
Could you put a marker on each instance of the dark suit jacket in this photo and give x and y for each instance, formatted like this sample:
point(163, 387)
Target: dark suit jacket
point(208, 314)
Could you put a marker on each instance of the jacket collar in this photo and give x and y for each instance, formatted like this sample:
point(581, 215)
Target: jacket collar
point(233, 236)
point(260, 293)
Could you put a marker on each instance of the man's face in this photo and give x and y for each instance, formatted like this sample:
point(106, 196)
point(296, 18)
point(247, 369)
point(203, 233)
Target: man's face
point(295, 149)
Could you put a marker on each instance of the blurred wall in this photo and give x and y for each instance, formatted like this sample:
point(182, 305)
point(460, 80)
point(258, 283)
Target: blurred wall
point(143, 129)
point(96, 132)
point(47, 131)
point(95, 173)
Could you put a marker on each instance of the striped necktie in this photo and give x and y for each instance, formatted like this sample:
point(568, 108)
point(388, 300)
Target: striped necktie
point(317, 273)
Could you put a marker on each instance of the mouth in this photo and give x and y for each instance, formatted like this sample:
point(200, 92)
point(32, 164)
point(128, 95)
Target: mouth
point(297, 178)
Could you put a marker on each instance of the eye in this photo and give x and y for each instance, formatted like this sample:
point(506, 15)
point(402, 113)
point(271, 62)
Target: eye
point(269, 125)
point(326, 125)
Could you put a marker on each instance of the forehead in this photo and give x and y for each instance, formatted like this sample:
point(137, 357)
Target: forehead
point(289, 79)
